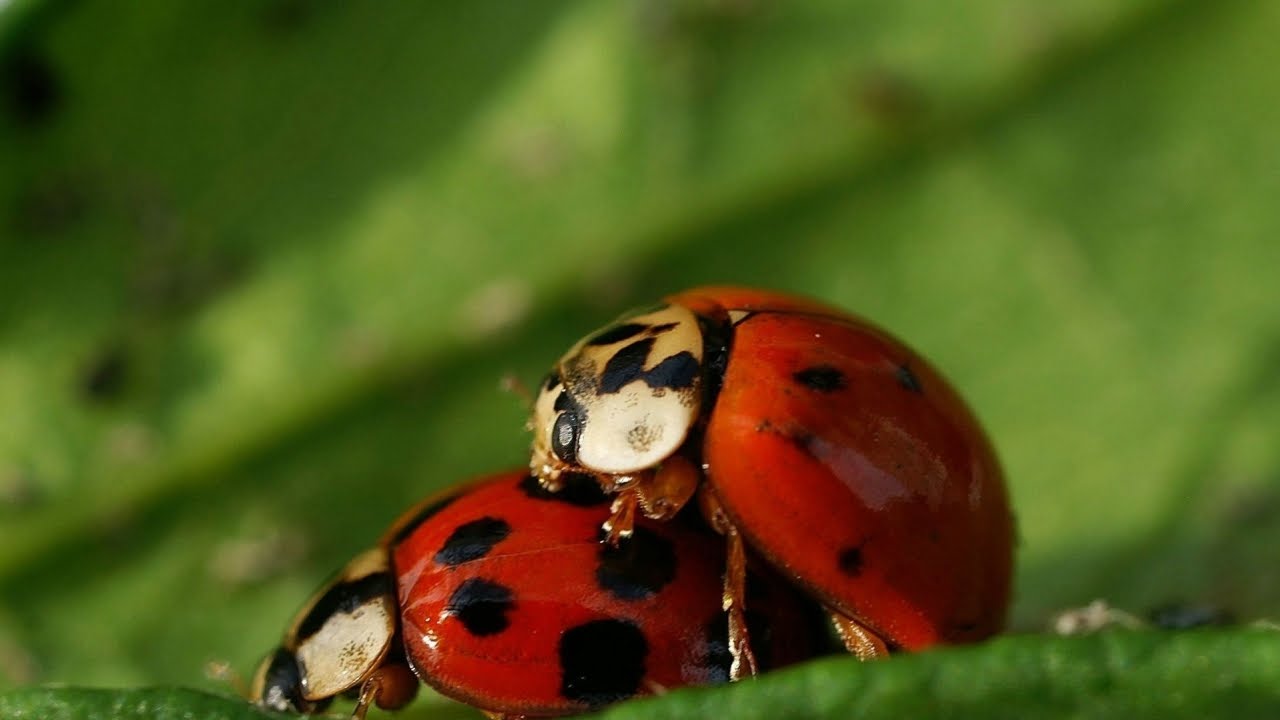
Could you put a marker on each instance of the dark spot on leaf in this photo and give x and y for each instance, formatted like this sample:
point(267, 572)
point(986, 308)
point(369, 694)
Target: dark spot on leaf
point(472, 541)
point(602, 661)
point(104, 376)
point(481, 606)
point(32, 89)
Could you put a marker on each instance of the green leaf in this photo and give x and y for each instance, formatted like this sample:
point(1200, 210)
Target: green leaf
point(1111, 675)
point(263, 264)
point(140, 704)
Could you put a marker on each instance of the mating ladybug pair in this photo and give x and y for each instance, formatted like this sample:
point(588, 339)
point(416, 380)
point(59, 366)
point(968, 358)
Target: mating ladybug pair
point(843, 474)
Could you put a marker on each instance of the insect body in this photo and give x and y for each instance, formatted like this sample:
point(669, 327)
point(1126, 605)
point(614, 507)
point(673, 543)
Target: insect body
point(826, 445)
point(502, 596)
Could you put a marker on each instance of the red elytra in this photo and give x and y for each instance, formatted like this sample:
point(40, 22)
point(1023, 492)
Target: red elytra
point(510, 602)
point(837, 452)
point(500, 594)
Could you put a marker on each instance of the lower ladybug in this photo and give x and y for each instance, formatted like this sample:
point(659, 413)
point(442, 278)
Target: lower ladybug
point(808, 434)
point(501, 595)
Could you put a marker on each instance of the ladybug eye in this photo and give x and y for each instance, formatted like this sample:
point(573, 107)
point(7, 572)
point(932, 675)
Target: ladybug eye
point(564, 436)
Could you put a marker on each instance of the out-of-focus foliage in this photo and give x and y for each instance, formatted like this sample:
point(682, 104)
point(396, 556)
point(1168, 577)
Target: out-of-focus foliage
point(262, 265)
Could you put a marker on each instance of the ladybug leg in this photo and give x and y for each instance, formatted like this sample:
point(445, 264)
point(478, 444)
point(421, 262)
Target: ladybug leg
point(857, 639)
point(390, 687)
point(669, 489)
point(735, 581)
point(622, 518)
point(735, 585)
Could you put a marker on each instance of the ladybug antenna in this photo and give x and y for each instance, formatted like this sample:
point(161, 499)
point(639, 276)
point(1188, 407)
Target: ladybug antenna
point(220, 671)
point(510, 383)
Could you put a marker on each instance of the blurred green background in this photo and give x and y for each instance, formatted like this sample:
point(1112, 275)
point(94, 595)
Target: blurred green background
point(263, 265)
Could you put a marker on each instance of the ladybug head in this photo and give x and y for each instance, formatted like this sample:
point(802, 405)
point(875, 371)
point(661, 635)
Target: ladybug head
point(623, 399)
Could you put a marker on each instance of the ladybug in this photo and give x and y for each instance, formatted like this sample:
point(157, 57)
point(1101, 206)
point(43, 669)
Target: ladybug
point(501, 595)
point(810, 435)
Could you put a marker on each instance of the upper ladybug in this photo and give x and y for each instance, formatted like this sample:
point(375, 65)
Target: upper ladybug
point(831, 447)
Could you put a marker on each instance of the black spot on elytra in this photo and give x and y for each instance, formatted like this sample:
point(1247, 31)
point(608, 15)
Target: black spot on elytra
point(616, 334)
point(850, 561)
point(103, 377)
point(637, 568)
point(282, 686)
point(602, 661)
point(821, 378)
point(907, 379)
point(344, 597)
point(676, 372)
point(803, 440)
point(716, 658)
point(472, 541)
point(481, 606)
point(32, 89)
point(423, 515)
point(577, 489)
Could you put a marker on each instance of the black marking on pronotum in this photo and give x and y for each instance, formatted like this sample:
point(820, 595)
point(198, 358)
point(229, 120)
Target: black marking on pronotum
point(422, 516)
point(602, 661)
point(821, 378)
point(282, 685)
point(472, 541)
point(637, 568)
point(481, 606)
point(626, 365)
point(344, 597)
point(578, 489)
point(551, 381)
point(664, 327)
point(616, 334)
point(676, 372)
point(850, 561)
point(907, 379)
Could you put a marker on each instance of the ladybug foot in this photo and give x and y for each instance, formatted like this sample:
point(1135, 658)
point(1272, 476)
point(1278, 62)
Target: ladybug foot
point(735, 581)
point(391, 687)
point(622, 521)
point(857, 639)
